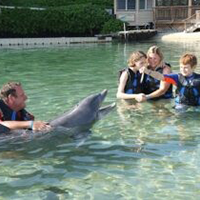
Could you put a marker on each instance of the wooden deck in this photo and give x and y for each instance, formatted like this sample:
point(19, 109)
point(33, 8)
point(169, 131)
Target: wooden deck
point(133, 35)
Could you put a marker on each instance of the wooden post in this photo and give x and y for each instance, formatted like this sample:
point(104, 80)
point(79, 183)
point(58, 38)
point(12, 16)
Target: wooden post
point(136, 11)
point(125, 31)
point(154, 13)
point(189, 8)
point(197, 16)
point(115, 6)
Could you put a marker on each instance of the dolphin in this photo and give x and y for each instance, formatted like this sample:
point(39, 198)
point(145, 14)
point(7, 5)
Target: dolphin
point(77, 121)
point(85, 113)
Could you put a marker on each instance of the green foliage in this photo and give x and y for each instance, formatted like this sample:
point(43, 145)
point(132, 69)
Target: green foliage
point(112, 26)
point(74, 20)
point(56, 3)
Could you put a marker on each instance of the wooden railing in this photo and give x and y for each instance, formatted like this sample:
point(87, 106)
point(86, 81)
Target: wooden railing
point(189, 22)
point(174, 13)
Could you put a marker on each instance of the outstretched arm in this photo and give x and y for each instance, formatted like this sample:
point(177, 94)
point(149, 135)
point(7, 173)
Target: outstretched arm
point(153, 74)
point(164, 86)
point(34, 125)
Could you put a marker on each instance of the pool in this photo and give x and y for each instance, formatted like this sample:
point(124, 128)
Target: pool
point(146, 151)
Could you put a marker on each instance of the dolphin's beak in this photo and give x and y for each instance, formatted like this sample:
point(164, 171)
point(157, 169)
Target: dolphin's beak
point(103, 94)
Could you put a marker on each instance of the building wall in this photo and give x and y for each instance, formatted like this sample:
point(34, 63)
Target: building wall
point(139, 18)
point(136, 17)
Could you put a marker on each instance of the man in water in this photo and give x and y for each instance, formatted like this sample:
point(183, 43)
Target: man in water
point(12, 110)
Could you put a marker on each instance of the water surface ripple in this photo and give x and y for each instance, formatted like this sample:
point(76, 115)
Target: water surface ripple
point(147, 151)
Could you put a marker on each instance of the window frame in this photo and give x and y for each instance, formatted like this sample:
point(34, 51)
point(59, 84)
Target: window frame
point(126, 6)
point(145, 5)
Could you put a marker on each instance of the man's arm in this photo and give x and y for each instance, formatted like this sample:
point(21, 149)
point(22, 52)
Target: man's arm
point(34, 125)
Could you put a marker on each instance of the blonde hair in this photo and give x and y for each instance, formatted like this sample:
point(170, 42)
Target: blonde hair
point(156, 50)
point(188, 59)
point(134, 57)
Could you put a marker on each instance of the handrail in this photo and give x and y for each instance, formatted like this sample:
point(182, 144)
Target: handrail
point(176, 13)
point(188, 22)
point(184, 20)
point(169, 7)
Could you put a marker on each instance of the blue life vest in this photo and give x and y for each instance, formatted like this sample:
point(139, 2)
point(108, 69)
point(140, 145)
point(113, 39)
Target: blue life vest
point(153, 84)
point(133, 85)
point(188, 90)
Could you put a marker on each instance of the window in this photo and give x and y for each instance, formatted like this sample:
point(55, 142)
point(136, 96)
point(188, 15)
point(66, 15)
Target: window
point(184, 2)
point(180, 2)
point(196, 2)
point(131, 4)
point(142, 4)
point(126, 4)
point(145, 4)
point(149, 4)
point(121, 4)
point(172, 2)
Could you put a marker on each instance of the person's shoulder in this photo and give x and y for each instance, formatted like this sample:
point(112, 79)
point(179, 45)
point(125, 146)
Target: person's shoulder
point(172, 74)
point(166, 64)
point(123, 73)
point(27, 115)
point(1, 115)
point(123, 70)
point(197, 75)
point(1, 112)
point(1, 103)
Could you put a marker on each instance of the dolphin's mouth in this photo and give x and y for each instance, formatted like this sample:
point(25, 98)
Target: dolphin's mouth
point(105, 109)
point(103, 95)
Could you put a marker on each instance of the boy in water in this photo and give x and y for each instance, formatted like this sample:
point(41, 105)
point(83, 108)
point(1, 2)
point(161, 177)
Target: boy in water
point(187, 81)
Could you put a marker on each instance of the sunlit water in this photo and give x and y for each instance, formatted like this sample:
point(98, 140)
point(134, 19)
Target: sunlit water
point(145, 152)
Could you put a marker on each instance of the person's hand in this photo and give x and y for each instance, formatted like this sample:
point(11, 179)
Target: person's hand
point(41, 126)
point(140, 97)
point(142, 70)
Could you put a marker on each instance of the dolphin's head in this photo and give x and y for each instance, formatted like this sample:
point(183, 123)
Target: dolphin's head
point(89, 107)
point(93, 102)
point(85, 112)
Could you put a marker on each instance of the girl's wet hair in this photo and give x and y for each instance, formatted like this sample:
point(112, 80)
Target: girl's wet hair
point(134, 57)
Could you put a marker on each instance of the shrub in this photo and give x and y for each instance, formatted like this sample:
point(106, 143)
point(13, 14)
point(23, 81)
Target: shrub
point(56, 3)
point(112, 26)
point(74, 20)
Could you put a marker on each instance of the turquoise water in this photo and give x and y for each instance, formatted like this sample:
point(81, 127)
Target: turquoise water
point(147, 151)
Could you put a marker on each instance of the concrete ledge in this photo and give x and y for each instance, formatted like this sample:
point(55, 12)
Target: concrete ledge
point(51, 41)
point(181, 37)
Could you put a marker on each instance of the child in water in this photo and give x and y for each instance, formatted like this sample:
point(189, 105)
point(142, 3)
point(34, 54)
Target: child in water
point(130, 83)
point(187, 81)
